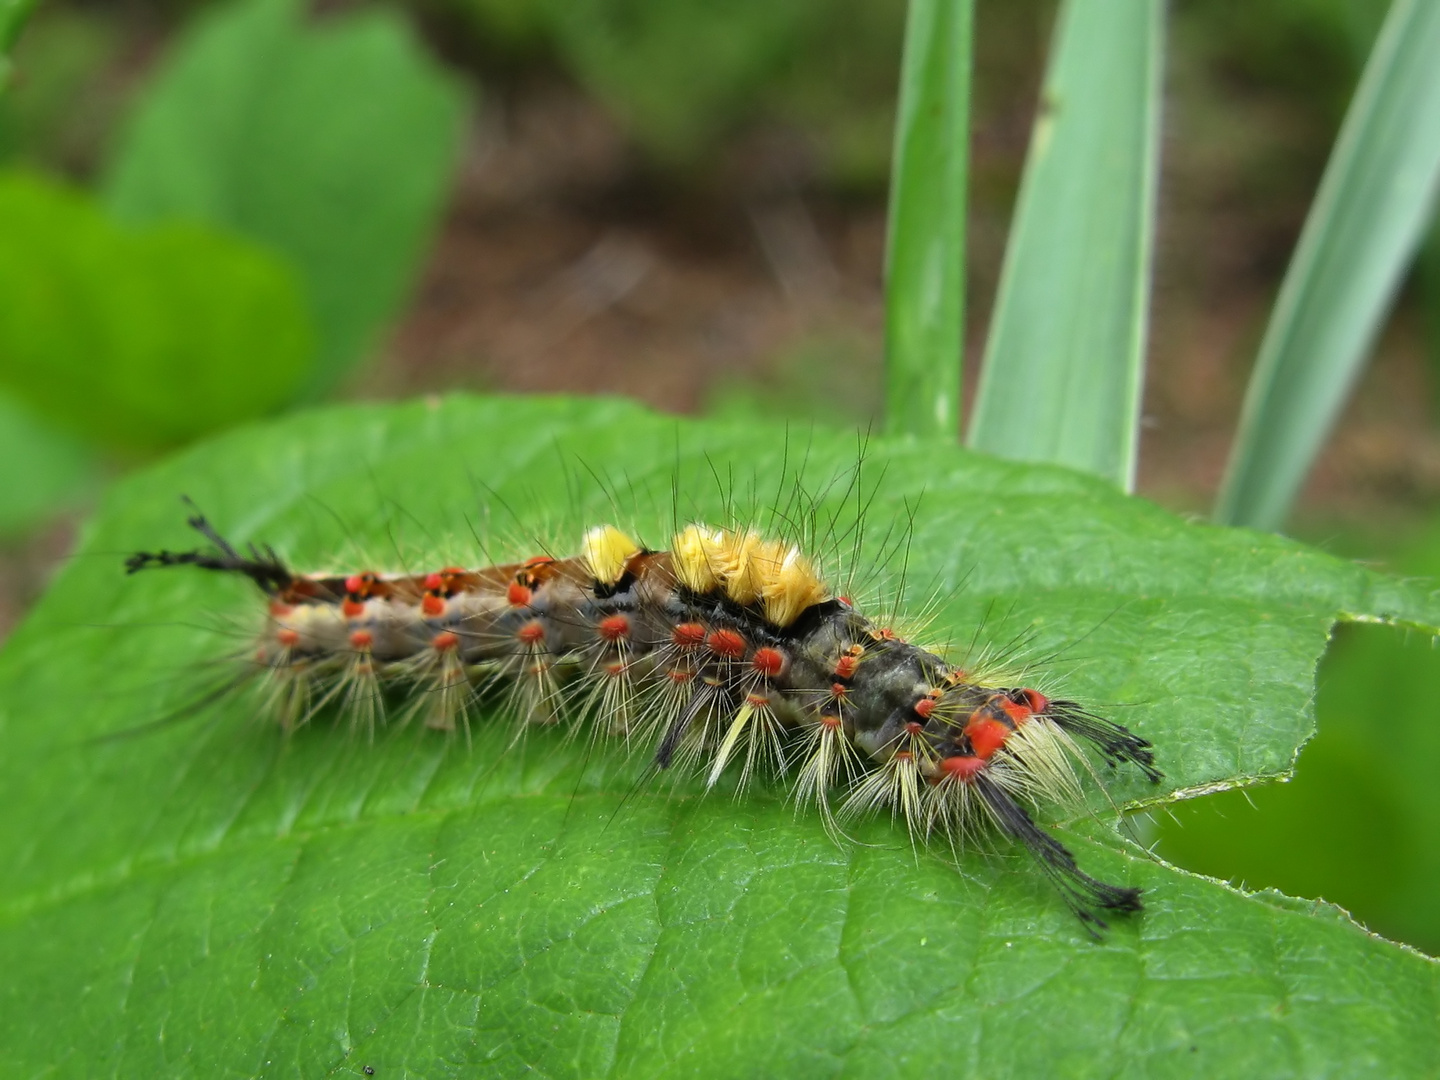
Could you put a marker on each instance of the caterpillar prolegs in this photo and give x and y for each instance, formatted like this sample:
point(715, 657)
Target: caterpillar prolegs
point(726, 651)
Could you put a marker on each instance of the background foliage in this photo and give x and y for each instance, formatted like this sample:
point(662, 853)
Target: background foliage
point(213, 213)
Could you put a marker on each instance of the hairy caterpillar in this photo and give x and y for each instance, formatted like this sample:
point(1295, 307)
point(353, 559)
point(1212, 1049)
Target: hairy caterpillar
point(726, 650)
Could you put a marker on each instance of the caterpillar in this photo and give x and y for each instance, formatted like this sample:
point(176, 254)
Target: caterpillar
point(728, 651)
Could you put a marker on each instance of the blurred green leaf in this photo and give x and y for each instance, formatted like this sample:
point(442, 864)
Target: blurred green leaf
point(518, 25)
point(140, 338)
point(840, 91)
point(334, 146)
point(925, 245)
point(54, 115)
point(42, 469)
point(1369, 215)
point(13, 14)
point(677, 73)
point(1065, 360)
point(212, 899)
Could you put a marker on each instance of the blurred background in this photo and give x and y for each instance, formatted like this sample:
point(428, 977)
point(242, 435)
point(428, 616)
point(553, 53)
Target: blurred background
point(211, 212)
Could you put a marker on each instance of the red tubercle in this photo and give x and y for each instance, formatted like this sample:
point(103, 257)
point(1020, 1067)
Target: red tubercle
point(846, 665)
point(1018, 712)
point(518, 595)
point(831, 721)
point(924, 707)
point(355, 584)
point(432, 606)
point(444, 581)
point(532, 633)
point(914, 727)
point(986, 735)
point(838, 690)
point(757, 701)
point(1033, 699)
point(287, 637)
point(688, 634)
point(279, 609)
point(614, 628)
point(726, 643)
point(353, 609)
point(362, 639)
point(960, 768)
point(768, 662)
point(538, 560)
point(445, 641)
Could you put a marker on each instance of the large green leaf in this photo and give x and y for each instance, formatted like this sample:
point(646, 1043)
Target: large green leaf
point(1369, 216)
point(1356, 828)
point(1066, 355)
point(209, 898)
point(141, 337)
point(332, 145)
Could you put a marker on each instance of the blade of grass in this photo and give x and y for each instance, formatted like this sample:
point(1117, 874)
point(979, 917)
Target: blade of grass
point(1368, 217)
point(925, 248)
point(1064, 363)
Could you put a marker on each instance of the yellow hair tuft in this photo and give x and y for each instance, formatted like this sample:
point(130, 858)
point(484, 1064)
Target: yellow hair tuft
point(792, 588)
point(698, 554)
point(606, 551)
point(750, 569)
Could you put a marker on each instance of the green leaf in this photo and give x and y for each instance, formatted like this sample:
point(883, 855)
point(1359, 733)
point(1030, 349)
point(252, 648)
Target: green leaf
point(42, 469)
point(1065, 359)
point(925, 254)
point(333, 146)
point(676, 73)
point(13, 14)
point(140, 337)
point(1356, 828)
point(211, 898)
point(1369, 216)
point(51, 116)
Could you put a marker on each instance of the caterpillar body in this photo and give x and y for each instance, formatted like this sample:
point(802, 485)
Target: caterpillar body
point(726, 651)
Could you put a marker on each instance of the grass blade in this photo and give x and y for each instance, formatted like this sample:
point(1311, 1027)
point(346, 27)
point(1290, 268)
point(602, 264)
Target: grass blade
point(1369, 215)
point(1064, 364)
point(925, 254)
